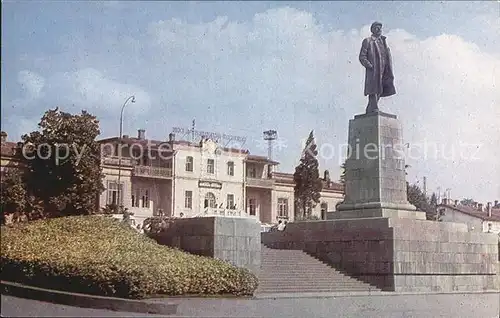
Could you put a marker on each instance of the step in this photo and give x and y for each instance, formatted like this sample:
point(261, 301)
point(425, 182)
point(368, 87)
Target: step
point(312, 283)
point(316, 287)
point(292, 271)
point(289, 271)
point(316, 290)
point(310, 279)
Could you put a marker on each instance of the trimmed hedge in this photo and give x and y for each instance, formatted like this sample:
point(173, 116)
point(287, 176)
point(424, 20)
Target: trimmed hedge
point(101, 256)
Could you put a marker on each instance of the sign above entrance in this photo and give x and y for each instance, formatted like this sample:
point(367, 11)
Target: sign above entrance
point(210, 184)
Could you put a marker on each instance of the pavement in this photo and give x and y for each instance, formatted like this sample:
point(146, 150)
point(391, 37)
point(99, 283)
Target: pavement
point(458, 305)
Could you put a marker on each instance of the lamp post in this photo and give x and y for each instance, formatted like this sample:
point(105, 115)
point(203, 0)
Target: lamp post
point(120, 188)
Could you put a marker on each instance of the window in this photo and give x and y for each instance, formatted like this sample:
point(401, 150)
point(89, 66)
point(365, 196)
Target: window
point(210, 200)
point(252, 172)
point(252, 206)
point(136, 198)
point(230, 168)
point(145, 199)
point(230, 202)
point(188, 199)
point(210, 166)
point(324, 209)
point(282, 208)
point(114, 193)
point(189, 163)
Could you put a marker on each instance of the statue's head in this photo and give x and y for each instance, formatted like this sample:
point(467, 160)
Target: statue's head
point(376, 28)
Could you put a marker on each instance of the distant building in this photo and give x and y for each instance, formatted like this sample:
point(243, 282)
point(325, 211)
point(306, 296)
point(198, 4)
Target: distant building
point(7, 154)
point(479, 218)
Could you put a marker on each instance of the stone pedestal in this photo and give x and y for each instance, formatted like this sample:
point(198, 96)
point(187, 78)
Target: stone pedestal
point(375, 170)
point(235, 240)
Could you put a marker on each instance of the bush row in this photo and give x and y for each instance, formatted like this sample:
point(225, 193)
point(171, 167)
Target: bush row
point(101, 256)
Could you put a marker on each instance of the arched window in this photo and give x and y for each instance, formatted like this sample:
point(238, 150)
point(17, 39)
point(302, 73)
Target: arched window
point(210, 200)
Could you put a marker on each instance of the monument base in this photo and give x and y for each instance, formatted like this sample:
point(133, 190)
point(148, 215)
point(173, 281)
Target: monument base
point(399, 254)
point(376, 213)
point(375, 209)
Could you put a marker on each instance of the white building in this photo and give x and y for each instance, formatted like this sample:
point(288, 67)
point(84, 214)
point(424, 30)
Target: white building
point(187, 179)
point(477, 217)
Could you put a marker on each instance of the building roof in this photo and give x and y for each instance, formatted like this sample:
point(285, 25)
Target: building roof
point(158, 143)
point(262, 159)
point(483, 215)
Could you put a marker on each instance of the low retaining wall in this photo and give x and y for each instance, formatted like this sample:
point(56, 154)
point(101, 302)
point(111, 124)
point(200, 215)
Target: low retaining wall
point(398, 254)
point(235, 240)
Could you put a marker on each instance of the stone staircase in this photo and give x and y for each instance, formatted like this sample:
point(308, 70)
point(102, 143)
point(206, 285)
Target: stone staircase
point(294, 271)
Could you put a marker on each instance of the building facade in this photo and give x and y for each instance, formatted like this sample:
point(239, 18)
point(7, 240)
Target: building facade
point(479, 218)
point(187, 179)
point(7, 154)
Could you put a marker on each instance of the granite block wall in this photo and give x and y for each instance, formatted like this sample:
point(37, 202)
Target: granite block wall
point(235, 240)
point(399, 254)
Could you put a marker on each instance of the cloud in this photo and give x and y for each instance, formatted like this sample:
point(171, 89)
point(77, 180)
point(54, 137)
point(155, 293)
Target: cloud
point(285, 70)
point(73, 91)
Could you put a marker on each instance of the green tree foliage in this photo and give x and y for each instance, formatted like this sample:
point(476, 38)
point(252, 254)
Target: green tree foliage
point(64, 154)
point(342, 175)
point(308, 184)
point(16, 204)
point(433, 200)
point(13, 194)
point(418, 198)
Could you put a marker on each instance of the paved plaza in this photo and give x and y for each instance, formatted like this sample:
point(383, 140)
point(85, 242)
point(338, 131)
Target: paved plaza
point(393, 306)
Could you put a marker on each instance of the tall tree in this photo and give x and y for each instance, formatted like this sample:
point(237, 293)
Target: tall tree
point(434, 201)
point(64, 154)
point(308, 184)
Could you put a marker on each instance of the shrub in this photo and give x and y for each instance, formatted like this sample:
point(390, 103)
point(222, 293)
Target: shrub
point(157, 224)
point(101, 256)
point(307, 218)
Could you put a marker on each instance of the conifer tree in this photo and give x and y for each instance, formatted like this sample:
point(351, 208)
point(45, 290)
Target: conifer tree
point(308, 184)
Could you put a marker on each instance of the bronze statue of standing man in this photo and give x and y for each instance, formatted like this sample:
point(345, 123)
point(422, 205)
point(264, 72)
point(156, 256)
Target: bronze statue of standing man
point(375, 56)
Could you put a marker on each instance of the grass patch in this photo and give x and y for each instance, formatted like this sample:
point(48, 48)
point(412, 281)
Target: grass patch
point(100, 256)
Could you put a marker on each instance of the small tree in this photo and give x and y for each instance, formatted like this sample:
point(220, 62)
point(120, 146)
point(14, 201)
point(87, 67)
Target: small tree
point(64, 154)
point(418, 198)
point(308, 184)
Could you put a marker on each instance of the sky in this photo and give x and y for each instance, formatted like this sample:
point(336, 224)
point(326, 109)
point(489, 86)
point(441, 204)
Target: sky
point(244, 67)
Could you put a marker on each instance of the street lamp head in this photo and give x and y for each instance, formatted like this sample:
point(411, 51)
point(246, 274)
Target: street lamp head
point(133, 99)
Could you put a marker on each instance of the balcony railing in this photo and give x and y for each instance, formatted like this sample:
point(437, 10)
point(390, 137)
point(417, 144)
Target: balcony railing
point(260, 182)
point(152, 172)
point(114, 161)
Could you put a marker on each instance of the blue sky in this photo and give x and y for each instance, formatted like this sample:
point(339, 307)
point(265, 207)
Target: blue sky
point(245, 67)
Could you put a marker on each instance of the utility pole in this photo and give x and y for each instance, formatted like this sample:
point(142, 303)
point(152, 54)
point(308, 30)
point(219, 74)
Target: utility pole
point(120, 138)
point(425, 186)
point(192, 131)
point(270, 136)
